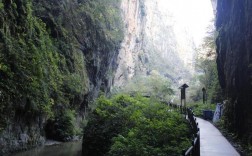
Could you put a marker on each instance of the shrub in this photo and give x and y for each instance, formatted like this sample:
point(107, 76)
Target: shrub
point(125, 125)
point(198, 108)
point(154, 85)
point(62, 127)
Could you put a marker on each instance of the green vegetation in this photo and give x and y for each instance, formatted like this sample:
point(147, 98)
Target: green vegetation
point(154, 85)
point(207, 71)
point(106, 16)
point(209, 79)
point(198, 108)
point(45, 58)
point(62, 127)
point(1, 5)
point(32, 80)
point(125, 125)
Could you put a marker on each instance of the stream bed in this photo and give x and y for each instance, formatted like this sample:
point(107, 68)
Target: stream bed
point(63, 149)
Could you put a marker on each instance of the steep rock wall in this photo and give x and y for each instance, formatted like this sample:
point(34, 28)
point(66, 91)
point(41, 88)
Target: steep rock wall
point(168, 44)
point(153, 41)
point(234, 50)
point(134, 24)
point(55, 57)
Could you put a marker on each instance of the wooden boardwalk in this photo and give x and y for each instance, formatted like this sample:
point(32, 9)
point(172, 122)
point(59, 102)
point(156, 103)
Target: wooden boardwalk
point(212, 142)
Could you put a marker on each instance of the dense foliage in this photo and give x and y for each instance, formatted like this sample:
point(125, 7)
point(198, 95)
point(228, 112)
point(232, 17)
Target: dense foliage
point(35, 76)
point(48, 59)
point(207, 75)
point(209, 80)
point(154, 85)
point(125, 125)
point(199, 107)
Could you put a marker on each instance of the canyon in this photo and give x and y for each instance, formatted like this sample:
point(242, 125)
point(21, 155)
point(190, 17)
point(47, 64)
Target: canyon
point(154, 40)
point(57, 57)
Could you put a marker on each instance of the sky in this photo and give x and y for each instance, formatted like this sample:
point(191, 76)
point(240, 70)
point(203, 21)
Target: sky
point(195, 15)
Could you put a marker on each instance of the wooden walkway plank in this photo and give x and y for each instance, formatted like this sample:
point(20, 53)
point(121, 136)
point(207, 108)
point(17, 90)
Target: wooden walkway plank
point(212, 142)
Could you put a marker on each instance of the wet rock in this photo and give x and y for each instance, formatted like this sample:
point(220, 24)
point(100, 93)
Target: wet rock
point(24, 138)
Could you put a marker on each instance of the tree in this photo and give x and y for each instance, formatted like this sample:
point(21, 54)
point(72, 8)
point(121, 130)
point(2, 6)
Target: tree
point(207, 67)
point(152, 85)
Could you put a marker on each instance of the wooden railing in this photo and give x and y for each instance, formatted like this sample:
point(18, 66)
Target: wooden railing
point(194, 149)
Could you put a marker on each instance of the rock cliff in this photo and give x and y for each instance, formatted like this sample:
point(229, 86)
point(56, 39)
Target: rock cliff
point(134, 22)
point(234, 49)
point(55, 57)
point(154, 41)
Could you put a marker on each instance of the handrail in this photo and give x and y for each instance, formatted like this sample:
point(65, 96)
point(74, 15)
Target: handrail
point(194, 149)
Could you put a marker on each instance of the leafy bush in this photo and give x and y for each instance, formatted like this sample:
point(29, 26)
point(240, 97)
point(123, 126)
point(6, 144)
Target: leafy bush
point(125, 125)
point(34, 70)
point(199, 107)
point(62, 127)
point(47, 60)
point(154, 85)
point(206, 67)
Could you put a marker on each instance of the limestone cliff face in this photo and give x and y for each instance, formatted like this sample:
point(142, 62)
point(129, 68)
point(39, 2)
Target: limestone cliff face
point(153, 41)
point(134, 21)
point(234, 50)
point(168, 43)
point(55, 57)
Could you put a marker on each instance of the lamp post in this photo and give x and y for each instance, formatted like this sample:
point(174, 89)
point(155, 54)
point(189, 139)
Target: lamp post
point(183, 95)
point(204, 95)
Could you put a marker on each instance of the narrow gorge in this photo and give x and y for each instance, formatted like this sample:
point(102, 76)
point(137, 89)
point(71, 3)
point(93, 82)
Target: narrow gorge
point(154, 41)
point(58, 57)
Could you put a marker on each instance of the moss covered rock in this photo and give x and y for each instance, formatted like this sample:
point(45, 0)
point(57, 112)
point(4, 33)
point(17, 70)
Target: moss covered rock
point(55, 56)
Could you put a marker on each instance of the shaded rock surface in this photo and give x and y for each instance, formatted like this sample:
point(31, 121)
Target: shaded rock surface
point(234, 50)
point(54, 56)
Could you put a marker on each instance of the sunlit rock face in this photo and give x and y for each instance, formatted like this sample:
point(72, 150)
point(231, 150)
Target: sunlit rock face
point(132, 45)
point(234, 49)
point(154, 40)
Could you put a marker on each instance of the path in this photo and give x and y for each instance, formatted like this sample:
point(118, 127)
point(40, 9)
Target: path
point(212, 142)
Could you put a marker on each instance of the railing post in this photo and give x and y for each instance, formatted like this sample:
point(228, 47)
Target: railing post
point(198, 143)
point(194, 150)
point(184, 152)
